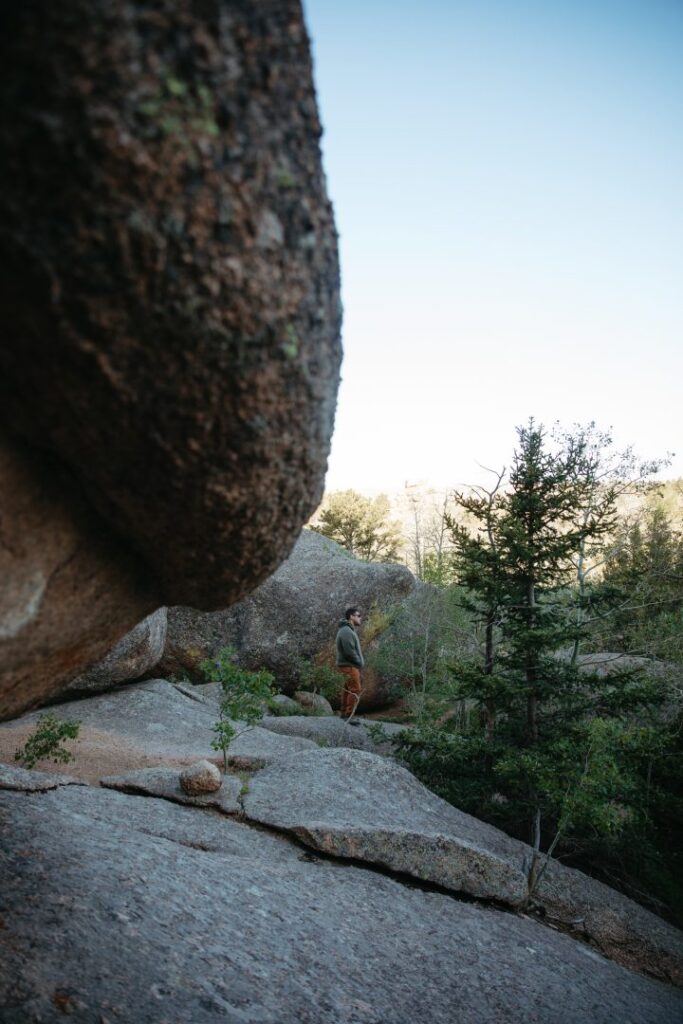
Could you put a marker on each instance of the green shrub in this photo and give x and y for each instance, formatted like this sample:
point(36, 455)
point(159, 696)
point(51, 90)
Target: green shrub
point(278, 711)
point(46, 742)
point(322, 679)
point(244, 695)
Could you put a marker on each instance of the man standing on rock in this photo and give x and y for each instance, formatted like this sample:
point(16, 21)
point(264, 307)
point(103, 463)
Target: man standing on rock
point(349, 661)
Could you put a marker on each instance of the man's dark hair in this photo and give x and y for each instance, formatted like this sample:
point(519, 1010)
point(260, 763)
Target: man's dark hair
point(349, 612)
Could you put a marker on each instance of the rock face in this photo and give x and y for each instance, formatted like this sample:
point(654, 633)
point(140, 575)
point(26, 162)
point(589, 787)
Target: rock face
point(135, 653)
point(32, 782)
point(135, 909)
point(293, 615)
point(351, 803)
point(154, 724)
point(171, 310)
point(333, 732)
point(165, 783)
point(68, 585)
point(163, 907)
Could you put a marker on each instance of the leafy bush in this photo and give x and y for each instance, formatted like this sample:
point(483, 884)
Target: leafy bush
point(322, 679)
point(377, 621)
point(424, 636)
point(279, 711)
point(245, 693)
point(46, 741)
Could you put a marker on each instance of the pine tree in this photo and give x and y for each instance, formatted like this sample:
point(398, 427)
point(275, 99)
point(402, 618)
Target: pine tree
point(547, 755)
point(645, 565)
point(361, 525)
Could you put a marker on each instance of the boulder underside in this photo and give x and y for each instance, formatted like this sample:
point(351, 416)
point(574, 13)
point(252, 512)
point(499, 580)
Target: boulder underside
point(171, 313)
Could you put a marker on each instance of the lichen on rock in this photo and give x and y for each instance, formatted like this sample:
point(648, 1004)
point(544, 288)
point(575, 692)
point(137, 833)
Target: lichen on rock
point(170, 292)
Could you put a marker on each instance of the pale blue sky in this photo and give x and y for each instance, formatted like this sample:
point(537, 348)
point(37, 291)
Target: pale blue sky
point(508, 186)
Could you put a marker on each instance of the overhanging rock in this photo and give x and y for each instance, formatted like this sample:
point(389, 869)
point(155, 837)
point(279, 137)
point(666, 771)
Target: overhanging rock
point(170, 297)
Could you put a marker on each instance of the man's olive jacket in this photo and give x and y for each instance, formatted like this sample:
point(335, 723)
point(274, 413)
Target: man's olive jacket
point(349, 653)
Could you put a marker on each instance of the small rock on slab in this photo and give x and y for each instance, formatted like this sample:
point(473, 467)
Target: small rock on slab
point(200, 778)
point(165, 783)
point(314, 702)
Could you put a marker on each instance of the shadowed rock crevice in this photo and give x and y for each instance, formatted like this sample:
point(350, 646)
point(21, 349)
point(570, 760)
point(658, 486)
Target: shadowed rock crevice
point(135, 654)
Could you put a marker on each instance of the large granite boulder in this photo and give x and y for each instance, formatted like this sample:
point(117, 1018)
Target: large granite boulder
point(136, 909)
point(293, 615)
point(69, 586)
point(171, 313)
point(134, 655)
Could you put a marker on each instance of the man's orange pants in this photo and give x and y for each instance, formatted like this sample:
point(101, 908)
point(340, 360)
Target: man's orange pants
point(351, 690)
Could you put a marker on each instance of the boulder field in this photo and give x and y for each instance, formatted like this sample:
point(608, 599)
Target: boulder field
point(319, 883)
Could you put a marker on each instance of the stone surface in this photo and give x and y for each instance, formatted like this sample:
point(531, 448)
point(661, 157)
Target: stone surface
point(69, 588)
point(286, 704)
point(134, 655)
point(136, 909)
point(619, 927)
point(605, 663)
point(155, 722)
point(355, 804)
point(313, 702)
point(199, 778)
point(171, 314)
point(165, 783)
point(352, 803)
point(209, 694)
point(332, 732)
point(293, 615)
point(32, 781)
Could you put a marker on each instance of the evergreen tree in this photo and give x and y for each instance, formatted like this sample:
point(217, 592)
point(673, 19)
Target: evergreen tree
point(548, 755)
point(361, 525)
point(645, 566)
